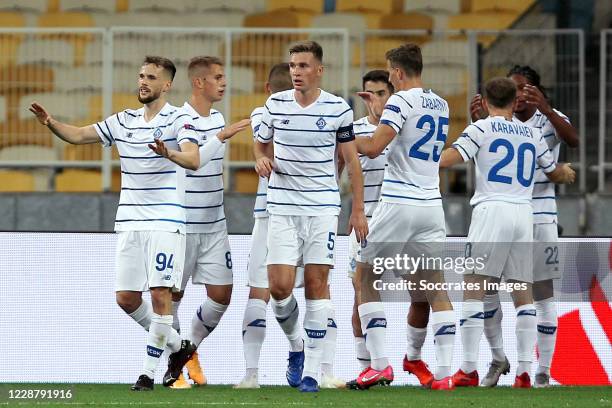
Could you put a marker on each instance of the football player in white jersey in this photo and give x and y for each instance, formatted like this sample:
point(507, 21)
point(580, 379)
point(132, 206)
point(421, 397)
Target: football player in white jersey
point(376, 90)
point(254, 321)
point(150, 221)
point(533, 109)
point(306, 125)
point(505, 152)
point(208, 259)
point(413, 125)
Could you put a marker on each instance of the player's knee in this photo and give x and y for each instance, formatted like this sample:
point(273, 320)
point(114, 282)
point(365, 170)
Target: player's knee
point(420, 307)
point(280, 293)
point(128, 301)
point(177, 296)
point(223, 297)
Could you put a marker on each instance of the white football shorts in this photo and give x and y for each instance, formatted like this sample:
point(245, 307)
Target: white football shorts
point(547, 256)
point(208, 259)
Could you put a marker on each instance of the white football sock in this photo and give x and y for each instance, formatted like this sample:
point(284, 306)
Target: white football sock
point(315, 327)
point(493, 326)
point(444, 328)
point(546, 313)
point(329, 346)
point(176, 325)
point(362, 353)
point(205, 320)
point(526, 335)
point(374, 327)
point(472, 326)
point(253, 331)
point(143, 315)
point(287, 313)
point(415, 337)
point(160, 328)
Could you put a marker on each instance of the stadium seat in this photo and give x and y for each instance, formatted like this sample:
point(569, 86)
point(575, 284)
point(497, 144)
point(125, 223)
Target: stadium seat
point(84, 79)
point(24, 6)
point(64, 106)
point(445, 80)
point(458, 105)
point(369, 6)
point(242, 81)
point(445, 52)
point(406, 21)
point(16, 79)
point(375, 48)
point(10, 19)
point(278, 19)
point(491, 6)
point(121, 101)
point(355, 23)
point(245, 181)
point(159, 6)
point(241, 147)
point(182, 48)
point(332, 79)
point(243, 105)
point(9, 43)
point(230, 18)
point(243, 6)
point(3, 109)
point(128, 19)
point(72, 181)
point(312, 6)
point(28, 153)
point(46, 51)
point(91, 6)
point(15, 132)
point(83, 152)
point(332, 44)
point(16, 181)
point(438, 6)
point(66, 19)
point(125, 79)
point(482, 21)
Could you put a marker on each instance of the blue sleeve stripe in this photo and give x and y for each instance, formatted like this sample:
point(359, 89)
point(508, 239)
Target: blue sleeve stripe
point(544, 198)
point(148, 188)
point(543, 182)
point(203, 175)
point(390, 123)
point(152, 220)
point(304, 130)
point(370, 201)
point(470, 139)
point(281, 100)
point(303, 175)
point(372, 185)
point(313, 146)
point(411, 198)
point(140, 143)
point(137, 173)
point(548, 135)
point(149, 128)
point(471, 124)
point(455, 145)
point(260, 137)
point(208, 130)
point(260, 209)
point(190, 139)
point(256, 128)
point(546, 151)
point(203, 191)
point(204, 222)
point(303, 161)
point(110, 142)
point(325, 190)
point(257, 114)
point(109, 132)
point(545, 167)
point(304, 205)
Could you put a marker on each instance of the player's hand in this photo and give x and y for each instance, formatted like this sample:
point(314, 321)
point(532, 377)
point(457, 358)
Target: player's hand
point(366, 97)
point(359, 223)
point(477, 110)
point(160, 148)
point(568, 173)
point(264, 166)
point(41, 113)
point(233, 129)
point(535, 97)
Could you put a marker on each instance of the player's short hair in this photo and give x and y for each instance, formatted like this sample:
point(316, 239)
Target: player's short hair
point(500, 92)
point(308, 46)
point(407, 57)
point(530, 74)
point(377, 75)
point(279, 78)
point(163, 62)
point(202, 62)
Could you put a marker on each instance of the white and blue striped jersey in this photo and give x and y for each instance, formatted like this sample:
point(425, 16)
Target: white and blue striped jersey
point(505, 153)
point(544, 203)
point(420, 118)
point(204, 187)
point(373, 169)
point(152, 187)
point(303, 181)
point(261, 202)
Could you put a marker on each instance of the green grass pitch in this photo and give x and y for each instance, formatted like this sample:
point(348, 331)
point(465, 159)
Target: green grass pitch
point(110, 395)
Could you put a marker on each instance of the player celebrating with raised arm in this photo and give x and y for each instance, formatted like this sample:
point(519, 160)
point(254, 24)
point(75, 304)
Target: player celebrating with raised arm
point(254, 321)
point(150, 221)
point(532, 108)
point(306, 125)
point(207, 256)
point(413, 125)
point(505, 152)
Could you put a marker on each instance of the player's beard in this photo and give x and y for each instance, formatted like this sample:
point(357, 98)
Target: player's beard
point(151, 98)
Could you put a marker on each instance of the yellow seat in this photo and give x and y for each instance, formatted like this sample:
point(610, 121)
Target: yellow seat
point(489, 6)
point(458, 105)
point(482, 21)
point(311, 7)
point(16, 132)
point(245, 181)
point(25, 78)
point(243, 105)
point(69, 19)
point(74, 181)
point(16, 181)
point(406, 21)
point(241, 146)
point(369, 6)
point(121, 101)
point(83, 152)
point(375, 49)
point(279, 19)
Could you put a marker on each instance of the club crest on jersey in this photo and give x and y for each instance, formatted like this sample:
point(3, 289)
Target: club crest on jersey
point(321, 123)
point(157, 134)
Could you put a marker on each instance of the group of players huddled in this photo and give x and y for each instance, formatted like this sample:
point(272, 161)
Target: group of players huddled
point(171, 224)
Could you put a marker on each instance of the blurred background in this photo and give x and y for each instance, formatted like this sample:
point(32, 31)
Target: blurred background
point(80, 58)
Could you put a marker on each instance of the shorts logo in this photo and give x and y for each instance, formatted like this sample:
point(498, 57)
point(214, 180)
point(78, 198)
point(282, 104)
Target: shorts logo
point(157, 134)
point(130, 134)
point(167, 277)
point(330, 255)
point(321, 123)
point(285, 122)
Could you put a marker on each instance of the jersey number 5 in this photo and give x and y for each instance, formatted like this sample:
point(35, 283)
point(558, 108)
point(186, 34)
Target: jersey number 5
point(415, 150)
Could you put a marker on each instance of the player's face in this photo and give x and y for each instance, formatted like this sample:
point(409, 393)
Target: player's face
point(305, 70)
point(394, 75)
point(380, 94)
point(214, 83)
point(152, 81)
point(520, 81)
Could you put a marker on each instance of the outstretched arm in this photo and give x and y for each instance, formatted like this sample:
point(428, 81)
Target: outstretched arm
point(68, 133)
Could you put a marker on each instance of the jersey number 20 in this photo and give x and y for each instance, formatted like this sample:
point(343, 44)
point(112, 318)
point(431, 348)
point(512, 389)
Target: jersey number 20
point(415, 150)
point(520, 153)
